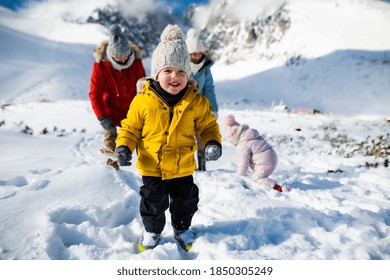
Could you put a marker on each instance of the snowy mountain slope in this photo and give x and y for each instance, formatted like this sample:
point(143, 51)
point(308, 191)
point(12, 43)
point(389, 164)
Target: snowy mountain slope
point(280, 30)
point(58, 200)
point(36, 69)
point(348, 82)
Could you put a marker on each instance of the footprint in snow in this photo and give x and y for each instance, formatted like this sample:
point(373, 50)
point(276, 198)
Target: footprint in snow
point(8, 188)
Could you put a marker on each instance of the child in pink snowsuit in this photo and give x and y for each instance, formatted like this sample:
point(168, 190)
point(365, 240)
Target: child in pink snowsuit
point(253, 152)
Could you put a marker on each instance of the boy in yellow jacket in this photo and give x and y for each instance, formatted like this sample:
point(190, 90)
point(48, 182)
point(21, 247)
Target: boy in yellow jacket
point(161, 124)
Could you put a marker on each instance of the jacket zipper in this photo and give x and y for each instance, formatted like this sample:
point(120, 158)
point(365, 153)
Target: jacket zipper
point(170, 108)
point(166, 103)
point(123, 84)
point(170, 113)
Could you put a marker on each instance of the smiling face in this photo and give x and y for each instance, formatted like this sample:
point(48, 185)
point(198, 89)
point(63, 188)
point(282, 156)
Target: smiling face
point(172, 79)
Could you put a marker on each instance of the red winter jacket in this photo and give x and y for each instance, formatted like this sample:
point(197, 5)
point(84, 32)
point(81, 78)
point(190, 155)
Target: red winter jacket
point(111, 90)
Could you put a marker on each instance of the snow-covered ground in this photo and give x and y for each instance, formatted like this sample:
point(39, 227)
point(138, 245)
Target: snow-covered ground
point(59, 201)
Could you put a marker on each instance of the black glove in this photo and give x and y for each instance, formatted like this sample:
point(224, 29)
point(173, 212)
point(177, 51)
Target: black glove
point(213, 150)
point(107, 123)
point(124, 155)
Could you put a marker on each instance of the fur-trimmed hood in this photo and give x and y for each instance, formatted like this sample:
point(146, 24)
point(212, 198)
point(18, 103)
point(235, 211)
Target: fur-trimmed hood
point(100, 52)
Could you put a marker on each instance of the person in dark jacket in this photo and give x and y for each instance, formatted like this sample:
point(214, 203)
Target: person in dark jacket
point(115, 72)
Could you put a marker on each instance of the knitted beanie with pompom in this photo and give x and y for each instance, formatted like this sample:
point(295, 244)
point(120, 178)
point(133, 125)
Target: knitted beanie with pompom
point(118, 45)
point(171, 52)
point(232, 128)
point(194, 43)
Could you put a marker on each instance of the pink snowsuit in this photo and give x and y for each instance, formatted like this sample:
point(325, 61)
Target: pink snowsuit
point(253, 152)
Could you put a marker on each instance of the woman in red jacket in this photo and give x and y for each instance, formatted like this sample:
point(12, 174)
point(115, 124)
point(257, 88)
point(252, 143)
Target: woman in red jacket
point(115, 72)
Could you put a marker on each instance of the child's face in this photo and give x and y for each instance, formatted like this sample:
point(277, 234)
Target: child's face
point(172, 79)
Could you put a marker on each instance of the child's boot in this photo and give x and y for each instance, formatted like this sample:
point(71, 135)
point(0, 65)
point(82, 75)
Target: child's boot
point(281, 189)
point(185, 238)
point(278, 188)
point(149, 240)
point(113, 163)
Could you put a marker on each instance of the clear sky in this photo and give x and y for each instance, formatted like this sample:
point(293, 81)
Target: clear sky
point(11, 3)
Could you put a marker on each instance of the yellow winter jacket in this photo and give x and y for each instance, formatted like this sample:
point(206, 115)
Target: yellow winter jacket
point(165, 148)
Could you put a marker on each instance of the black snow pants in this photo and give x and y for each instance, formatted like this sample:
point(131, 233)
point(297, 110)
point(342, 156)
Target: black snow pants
point(180, 195)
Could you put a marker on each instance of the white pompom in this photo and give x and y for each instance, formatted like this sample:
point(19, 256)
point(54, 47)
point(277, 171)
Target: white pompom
point(192, 34)
point(172, 33)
